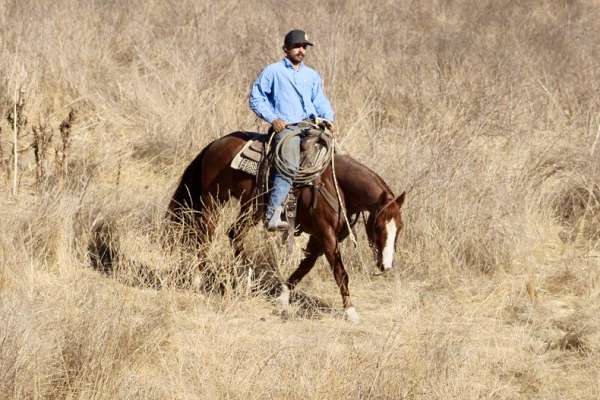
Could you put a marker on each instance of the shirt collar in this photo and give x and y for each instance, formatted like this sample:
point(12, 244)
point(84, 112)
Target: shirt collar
point(289, 64)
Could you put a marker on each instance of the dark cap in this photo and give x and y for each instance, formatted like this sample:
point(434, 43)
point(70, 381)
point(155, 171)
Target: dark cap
point(295, 37)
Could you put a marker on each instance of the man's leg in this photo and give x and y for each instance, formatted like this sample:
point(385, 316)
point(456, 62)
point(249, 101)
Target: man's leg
point(290, 152)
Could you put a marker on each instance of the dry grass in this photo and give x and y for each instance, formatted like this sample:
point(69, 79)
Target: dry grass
point(486, 111)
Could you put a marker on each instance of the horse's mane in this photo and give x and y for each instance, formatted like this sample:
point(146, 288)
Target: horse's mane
point(372, 173)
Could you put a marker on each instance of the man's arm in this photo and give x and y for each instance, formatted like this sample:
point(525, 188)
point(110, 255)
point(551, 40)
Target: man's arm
point(259, 100)
point(321, 102)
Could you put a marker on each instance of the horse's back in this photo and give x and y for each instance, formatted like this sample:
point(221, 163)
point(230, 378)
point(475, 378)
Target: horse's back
point(221, 152)
point(209, 166)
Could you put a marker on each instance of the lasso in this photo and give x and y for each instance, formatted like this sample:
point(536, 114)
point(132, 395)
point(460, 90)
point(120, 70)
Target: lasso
point(305, 175)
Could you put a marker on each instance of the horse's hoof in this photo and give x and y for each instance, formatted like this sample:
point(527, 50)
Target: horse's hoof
point(284, 298)
point(351, 315)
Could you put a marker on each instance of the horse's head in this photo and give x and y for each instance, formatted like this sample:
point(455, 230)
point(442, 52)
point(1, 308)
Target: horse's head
point(383, 227)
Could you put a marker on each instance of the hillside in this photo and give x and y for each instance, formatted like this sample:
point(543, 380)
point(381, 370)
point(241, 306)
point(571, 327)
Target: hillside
point(486, 112)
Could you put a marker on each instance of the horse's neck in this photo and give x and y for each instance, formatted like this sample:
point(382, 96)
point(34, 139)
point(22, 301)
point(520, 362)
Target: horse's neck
point(361, 186)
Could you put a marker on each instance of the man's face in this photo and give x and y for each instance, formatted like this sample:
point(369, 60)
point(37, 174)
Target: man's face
point(296, 53)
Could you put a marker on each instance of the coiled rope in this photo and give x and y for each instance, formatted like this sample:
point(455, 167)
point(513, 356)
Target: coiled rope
point(305, 175)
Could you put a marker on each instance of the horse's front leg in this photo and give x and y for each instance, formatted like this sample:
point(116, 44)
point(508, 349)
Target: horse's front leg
point(332, 252)
point(313, 251)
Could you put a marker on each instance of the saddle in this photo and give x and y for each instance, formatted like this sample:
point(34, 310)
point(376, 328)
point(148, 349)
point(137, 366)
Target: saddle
point(256, 158)
point(251, 155)
point(257, 149)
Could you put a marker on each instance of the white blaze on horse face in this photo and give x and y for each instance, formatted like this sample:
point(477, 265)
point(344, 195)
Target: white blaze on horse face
point(388, 249)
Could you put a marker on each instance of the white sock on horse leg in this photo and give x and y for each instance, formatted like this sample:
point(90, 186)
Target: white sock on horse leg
point(351, 315)
point(284, 297)
point(249, 283)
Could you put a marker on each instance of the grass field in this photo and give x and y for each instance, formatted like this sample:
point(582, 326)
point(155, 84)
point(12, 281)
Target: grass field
point(486, 112)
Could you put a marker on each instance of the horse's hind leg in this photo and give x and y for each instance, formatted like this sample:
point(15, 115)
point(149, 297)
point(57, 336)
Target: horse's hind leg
point(313, 251)
point(246, 219)
point(208, 217)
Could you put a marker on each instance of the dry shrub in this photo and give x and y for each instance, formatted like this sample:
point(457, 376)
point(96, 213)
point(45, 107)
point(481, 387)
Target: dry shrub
point(155, 259)
point(70, 353)
point(578, 208)
point(158, 149)
point(37, 226)
point(103, 246)
point(568, 184)
point(486, 248)
point(476, 243)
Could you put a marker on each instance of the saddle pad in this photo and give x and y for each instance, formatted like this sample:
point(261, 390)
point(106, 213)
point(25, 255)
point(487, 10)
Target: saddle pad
point(248, 158)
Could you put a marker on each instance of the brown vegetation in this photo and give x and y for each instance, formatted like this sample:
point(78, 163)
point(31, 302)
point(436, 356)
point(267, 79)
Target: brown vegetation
point(486, 111)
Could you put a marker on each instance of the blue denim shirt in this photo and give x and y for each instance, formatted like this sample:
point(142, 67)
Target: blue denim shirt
point(282, 92)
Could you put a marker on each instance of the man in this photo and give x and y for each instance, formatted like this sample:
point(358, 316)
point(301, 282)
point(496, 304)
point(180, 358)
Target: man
point(285, 94)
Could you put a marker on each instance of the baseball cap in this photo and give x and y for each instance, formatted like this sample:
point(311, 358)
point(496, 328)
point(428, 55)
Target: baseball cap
point(295, 37)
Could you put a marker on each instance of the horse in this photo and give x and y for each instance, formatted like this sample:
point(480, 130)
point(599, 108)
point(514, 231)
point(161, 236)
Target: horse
point(209, 181)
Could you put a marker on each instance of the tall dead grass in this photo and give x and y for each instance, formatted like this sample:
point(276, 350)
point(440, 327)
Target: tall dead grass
point(485, 111)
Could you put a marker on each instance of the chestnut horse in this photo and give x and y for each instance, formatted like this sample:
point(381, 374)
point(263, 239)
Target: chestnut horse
point(209, 181)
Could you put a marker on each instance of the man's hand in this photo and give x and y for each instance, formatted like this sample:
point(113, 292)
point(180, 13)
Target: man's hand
point(278, 125)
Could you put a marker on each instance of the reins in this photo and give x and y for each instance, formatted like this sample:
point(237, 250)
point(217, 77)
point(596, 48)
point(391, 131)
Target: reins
point(337, 191)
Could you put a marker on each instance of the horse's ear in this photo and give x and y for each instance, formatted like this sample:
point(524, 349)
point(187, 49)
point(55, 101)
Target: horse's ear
point(400, 199)
point(384, 198)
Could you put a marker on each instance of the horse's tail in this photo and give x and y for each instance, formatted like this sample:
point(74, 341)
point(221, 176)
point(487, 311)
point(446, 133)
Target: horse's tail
point(187, 196)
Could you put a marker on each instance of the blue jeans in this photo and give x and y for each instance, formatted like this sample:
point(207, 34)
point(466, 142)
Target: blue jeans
point(290, 152)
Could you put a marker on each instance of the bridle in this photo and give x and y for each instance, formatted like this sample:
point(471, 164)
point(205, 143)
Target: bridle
point(371, 231)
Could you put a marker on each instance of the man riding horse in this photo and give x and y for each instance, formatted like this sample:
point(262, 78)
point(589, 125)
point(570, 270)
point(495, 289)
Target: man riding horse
point(285, 94)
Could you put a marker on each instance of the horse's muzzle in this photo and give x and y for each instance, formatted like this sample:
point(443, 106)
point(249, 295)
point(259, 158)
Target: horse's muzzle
point(384, 268)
